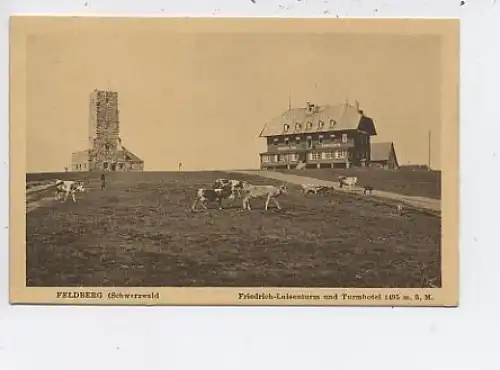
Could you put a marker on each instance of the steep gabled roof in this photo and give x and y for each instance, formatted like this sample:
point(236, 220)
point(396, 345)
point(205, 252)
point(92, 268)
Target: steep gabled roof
point(130, 155)
point(332, 118)
point(381, 151)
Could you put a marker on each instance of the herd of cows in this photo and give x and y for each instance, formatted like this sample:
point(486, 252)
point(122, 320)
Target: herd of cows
point(227, 189)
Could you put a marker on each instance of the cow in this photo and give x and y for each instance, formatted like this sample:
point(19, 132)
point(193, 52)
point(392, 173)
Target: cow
point(368, 189)
point(211, 195)
point(340, 179)
point(350, 182)
point(234, 185)
point(65, 188)
point(263, 191)
point(310, 188)
point(301, 166)
point(325, 190)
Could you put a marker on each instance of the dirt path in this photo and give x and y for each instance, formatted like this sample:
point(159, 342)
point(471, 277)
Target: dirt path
point(430, 204)
point(32, 205)
point(38, 196)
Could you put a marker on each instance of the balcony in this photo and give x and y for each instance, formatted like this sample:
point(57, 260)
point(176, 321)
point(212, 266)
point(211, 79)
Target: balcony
point(304, 146)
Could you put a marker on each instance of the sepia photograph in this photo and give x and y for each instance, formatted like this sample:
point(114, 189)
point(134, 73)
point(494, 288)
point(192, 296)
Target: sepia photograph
point(234, 161)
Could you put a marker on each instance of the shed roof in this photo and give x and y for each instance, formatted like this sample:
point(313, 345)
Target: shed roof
point(319, 119)
point(381, 151)
point(131, 155)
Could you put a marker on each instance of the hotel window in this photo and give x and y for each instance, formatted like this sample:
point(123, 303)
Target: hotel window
point(309, 142)
point(344, 138)
point(328, 155)
point(320, 140)
point(315, 156)
point(286, 141)
point(321, 124)
point(286, 127)
point(294, 157)
point(297, 139)
point(275, 140)
point(340, 154)
point(298, 126)
point(265, 159)
point(309, 125)
point(332, 123)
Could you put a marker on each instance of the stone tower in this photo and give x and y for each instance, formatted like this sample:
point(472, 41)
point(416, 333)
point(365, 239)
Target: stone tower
point(105, 150)
point(104, 129)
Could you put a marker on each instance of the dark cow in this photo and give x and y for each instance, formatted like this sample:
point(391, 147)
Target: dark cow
point(203, 196)
point(236, 186)
point(368, 189)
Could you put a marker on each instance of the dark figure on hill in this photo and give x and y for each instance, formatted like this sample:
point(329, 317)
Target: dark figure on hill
point(103, 181)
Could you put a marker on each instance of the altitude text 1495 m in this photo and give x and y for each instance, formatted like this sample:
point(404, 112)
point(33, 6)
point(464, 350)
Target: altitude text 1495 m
point(416, 297)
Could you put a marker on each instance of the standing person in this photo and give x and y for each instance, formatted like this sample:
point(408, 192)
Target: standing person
point(103, 181)
point(180, 165)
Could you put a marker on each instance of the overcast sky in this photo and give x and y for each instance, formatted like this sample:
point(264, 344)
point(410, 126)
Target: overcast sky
point(203, 98)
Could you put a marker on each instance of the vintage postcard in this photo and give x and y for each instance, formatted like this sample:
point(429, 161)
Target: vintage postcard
point(178, 161)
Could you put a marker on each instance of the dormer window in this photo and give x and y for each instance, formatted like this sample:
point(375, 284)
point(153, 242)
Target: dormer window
point(309, 125)
point(286, 127)
point(297, 126)
point(321, 124)
point(332, 123)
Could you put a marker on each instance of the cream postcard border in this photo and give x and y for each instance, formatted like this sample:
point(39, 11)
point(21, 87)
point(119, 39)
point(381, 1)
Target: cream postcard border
point(447, 29)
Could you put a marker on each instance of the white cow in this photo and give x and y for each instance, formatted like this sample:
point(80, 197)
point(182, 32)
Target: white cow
point(263, 191)
point(310, 188)
point(350, 182)
point(234, 185)
point(315, 189)
point(65, 188)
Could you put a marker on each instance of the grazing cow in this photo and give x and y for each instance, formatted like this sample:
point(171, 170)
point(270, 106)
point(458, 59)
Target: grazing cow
point(350, 182)
point(316, 189)
point(234, 185)
point(65, 188)
point(301, 166)
point(368, 189)
point(263, 191)
point(310, 188)
point(211, 195)
point(325, 190)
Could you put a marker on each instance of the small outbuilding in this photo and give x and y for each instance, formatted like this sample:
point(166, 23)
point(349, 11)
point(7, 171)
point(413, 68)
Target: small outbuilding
point(383, 155)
